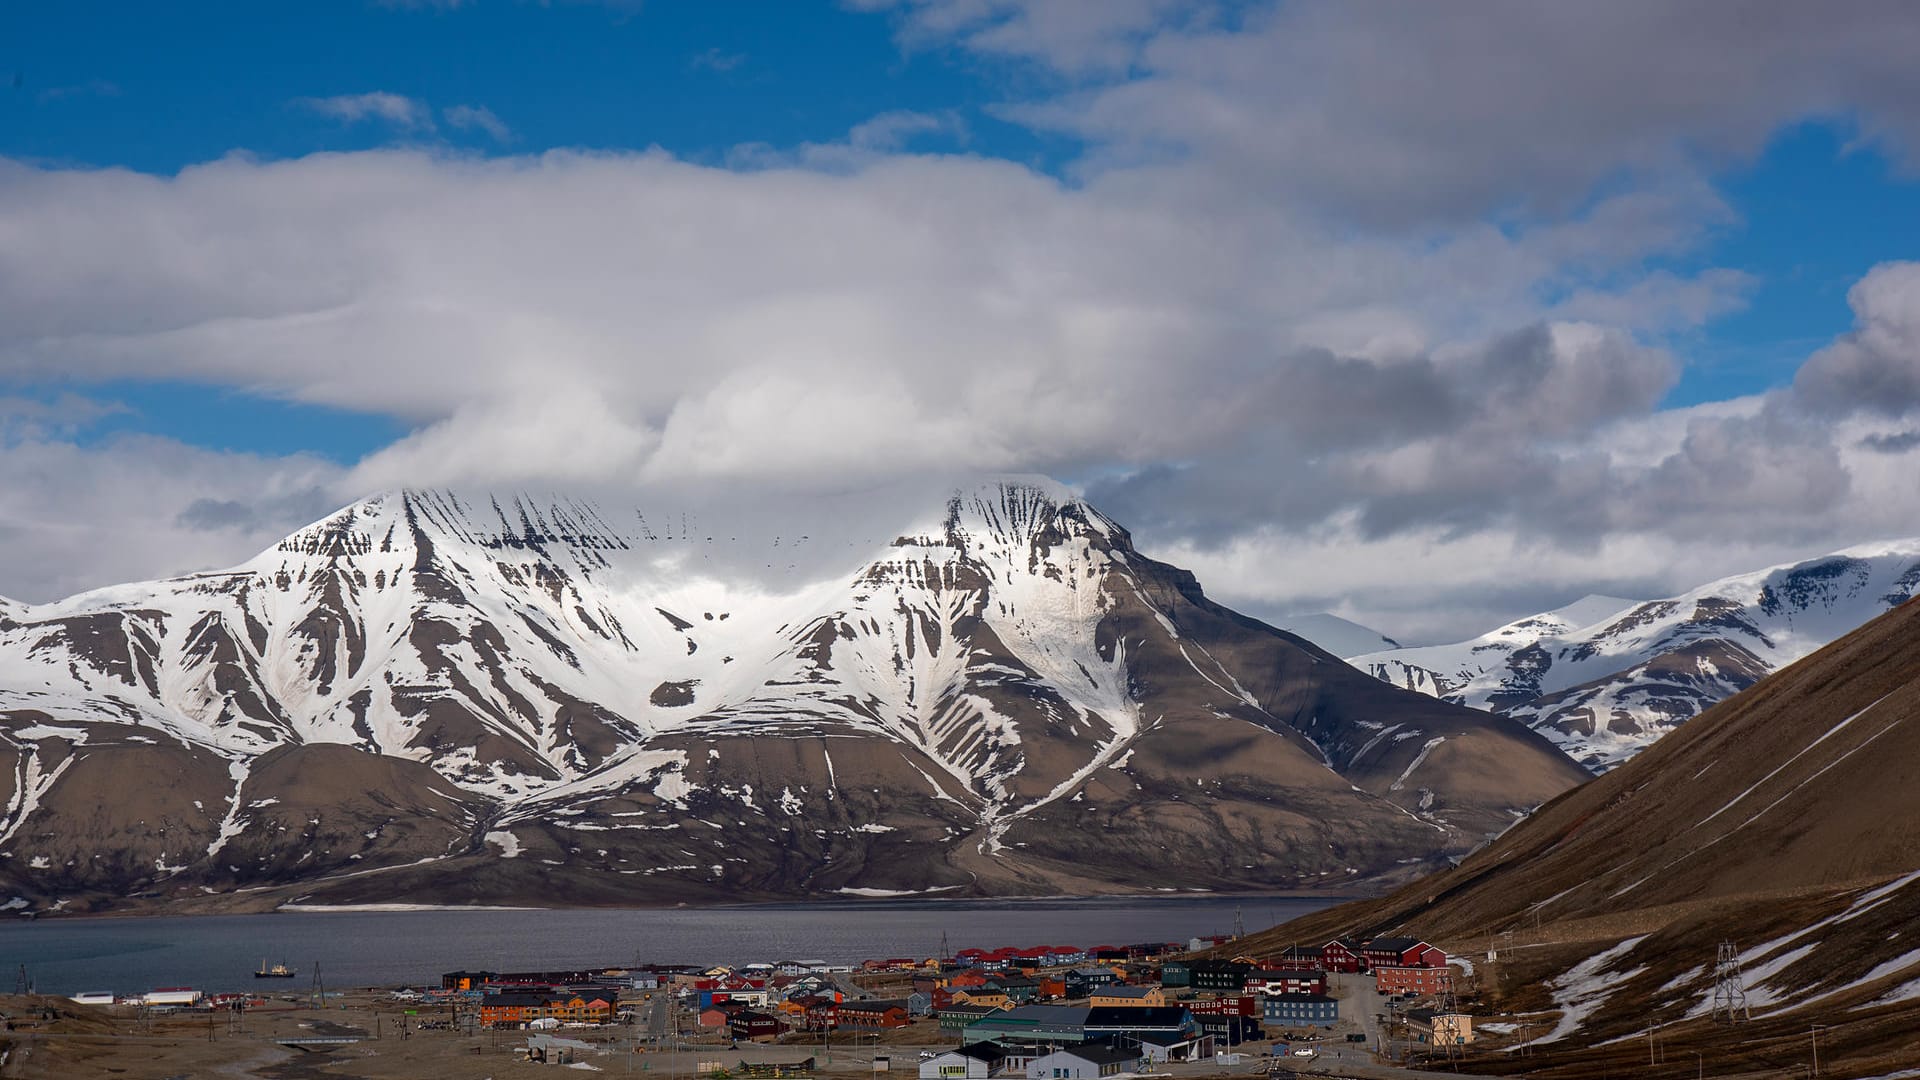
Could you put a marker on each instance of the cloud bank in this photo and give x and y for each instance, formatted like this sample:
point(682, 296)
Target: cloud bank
point(1343, 306)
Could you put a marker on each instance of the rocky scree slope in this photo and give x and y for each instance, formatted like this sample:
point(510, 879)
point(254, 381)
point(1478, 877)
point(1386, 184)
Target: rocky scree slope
point(1604, 678)
point(1782, 820)
point(438, 697)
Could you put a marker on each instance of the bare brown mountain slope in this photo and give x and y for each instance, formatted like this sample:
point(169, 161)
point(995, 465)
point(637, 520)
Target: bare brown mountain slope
point(1786, 820)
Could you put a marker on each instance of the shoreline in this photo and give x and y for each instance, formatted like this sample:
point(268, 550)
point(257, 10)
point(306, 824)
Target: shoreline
point(929, 901)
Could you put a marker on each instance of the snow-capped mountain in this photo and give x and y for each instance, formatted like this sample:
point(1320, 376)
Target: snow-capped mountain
point(1605, 677)
point(465, 697)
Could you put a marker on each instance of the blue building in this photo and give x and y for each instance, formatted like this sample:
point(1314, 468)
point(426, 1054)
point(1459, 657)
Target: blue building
point(1300, 1010)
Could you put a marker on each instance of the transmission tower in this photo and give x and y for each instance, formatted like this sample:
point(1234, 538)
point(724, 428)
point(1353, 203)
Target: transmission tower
point(946, 953)
point(1239, 924)
point(1729, 987)
point(22, 983)
point(318, 996)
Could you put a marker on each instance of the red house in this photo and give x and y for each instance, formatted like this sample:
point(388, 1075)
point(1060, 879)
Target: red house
point(822, 1016)
point(1298, 958)
point(1287, 981)
point(1417, 980)
point(1341, 954)
point(874, 1015)
point(1402, 952)
point(1242, 1005)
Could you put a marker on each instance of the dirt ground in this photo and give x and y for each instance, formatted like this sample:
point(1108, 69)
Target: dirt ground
point(82, 1041)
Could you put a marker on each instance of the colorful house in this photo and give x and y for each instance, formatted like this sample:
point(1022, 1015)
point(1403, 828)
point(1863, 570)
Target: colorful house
point(1402, 952)
point(1300, 1010)
point(874, 1015)
point(1342, 955)
point(1128, 996)
point(1412, 980)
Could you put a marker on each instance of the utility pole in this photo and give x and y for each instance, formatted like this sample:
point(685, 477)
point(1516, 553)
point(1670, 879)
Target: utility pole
point(1813, 1033)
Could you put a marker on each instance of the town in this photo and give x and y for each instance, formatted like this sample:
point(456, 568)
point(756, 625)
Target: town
point(1050, 1012)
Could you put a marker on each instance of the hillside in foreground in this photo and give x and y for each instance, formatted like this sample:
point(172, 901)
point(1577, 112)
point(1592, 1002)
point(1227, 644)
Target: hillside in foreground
point(1783, 820)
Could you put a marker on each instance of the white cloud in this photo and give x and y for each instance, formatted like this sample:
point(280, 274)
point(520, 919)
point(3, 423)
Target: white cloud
point(1876, 367)
point(74, 518)
point(398, 110)
point(577, 318)
point(1405, 113)
point(477, 118)
point(893, 130)
point(1071, 35)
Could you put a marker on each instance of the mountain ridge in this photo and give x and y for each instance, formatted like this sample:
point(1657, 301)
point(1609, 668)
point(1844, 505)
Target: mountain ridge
point(1606, 685)
point(572, 695)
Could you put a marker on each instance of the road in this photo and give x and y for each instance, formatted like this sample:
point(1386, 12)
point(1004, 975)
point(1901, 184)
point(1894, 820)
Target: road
point(661, 1015)
point(1360, 1003)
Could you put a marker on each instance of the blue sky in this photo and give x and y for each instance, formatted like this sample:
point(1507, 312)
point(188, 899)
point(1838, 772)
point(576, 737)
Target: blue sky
point(1294, 284)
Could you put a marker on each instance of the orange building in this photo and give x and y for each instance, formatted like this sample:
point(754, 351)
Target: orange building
point(516, 1007)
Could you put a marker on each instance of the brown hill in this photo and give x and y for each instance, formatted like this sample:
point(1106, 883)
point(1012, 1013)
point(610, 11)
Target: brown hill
point(1784, 820)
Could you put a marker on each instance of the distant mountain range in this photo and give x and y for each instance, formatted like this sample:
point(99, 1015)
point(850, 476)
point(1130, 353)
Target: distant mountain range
point(1606, 677)
point(463, 698)
point(1781, 821)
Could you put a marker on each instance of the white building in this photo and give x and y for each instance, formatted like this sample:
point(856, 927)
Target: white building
point(1090, 1061)
point(975, 1062)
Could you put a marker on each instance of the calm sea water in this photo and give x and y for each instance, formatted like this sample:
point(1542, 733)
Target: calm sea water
point(365, 948)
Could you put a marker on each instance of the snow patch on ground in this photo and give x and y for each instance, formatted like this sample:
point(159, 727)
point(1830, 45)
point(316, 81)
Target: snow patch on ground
point(1584, 988)
point(1418, 760)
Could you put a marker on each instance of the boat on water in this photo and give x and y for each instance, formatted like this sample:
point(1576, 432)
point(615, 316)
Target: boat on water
point(277, 971)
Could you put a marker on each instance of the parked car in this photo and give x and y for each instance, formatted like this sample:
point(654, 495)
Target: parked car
point(1304, 1051)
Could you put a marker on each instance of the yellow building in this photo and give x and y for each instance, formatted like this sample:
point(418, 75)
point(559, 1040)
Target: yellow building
point(1136, 997)
point(1452, 1029)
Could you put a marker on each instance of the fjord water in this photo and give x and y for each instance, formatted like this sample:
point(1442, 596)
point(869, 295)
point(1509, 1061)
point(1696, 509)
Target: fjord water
point(390, 948)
